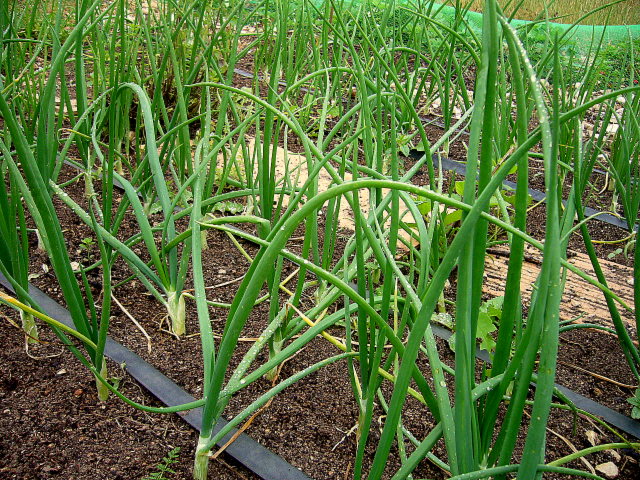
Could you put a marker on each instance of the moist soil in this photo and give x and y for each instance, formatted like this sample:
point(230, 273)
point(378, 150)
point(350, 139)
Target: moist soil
point(53, 426)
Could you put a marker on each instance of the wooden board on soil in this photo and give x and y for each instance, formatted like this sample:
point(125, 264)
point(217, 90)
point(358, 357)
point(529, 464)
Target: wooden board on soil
point(582, 301)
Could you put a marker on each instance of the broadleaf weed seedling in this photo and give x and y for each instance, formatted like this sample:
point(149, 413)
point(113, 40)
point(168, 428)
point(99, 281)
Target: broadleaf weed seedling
point(365, 70)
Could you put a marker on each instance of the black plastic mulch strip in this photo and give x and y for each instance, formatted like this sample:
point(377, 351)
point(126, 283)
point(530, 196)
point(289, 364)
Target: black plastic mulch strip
point(244, 449)
point(538, 196)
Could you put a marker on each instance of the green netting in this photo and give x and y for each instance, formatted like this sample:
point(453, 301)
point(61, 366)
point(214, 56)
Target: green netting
point(583, 34)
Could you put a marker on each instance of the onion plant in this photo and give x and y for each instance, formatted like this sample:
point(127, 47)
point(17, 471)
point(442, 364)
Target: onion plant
point(518, 345)
point(347, 84)
point(623, 161)
point(37, 168)
point(622, 164)
point(162, 147)
point(14, 245)
point(34, 193)
point(616, 154)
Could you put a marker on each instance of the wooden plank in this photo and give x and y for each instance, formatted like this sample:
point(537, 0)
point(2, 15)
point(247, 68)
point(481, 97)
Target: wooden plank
point(581, 301)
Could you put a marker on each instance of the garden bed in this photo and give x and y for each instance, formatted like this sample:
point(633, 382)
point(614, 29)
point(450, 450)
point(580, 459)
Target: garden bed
point(308, 425)
point(184, 168)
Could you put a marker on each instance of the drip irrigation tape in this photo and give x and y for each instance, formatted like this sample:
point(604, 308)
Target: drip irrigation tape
point(624, 423)
point(264, 463)
point(460, 168)
point(617, 419)
point(538, 196)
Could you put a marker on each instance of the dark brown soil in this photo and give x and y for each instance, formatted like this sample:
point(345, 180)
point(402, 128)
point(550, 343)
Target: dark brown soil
point(54, 428)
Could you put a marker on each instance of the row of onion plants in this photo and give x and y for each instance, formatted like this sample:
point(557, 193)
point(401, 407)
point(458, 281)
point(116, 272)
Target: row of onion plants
point(157, 112)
